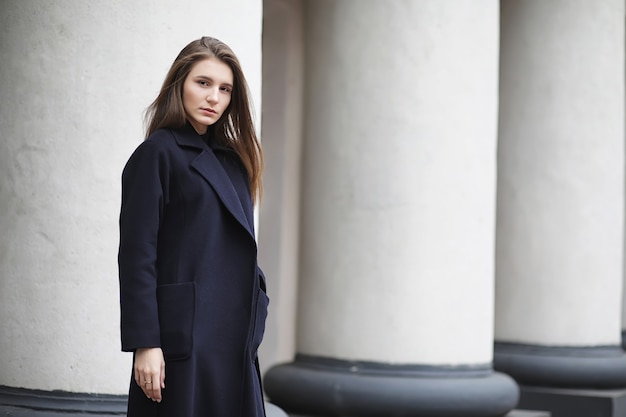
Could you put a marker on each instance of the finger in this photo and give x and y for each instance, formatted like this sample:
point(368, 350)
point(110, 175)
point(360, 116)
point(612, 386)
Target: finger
point(153, 386)
point(149, 391)
point(139, 380)
point(140, 376)
point(145, 379)
point(145, 386)
point(162, 375)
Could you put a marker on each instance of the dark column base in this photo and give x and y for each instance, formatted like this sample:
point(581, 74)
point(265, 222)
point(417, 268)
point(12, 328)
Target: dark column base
point(26, 402)
point(528, 413)
point(20, 402)
point(514, 413)
point(567, 381)
point(315, 386)
point(575, 402)
point(599, 367)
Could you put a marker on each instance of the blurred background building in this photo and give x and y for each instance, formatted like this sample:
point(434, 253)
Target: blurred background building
point(443, 221)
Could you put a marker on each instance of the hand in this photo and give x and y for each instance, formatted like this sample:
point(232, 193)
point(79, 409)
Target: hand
point(149, 371)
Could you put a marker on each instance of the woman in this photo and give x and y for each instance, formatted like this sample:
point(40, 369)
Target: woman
point(192, 296)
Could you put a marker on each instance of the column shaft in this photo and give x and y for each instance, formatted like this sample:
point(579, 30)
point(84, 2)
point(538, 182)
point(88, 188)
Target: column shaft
point(398, 213)
point(561, 193)
point(76, 77)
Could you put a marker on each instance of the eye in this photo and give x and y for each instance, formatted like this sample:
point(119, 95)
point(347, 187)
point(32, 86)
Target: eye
point(226, 89)
point(203, 83)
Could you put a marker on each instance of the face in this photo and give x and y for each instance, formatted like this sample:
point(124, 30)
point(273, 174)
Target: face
point(207, 92)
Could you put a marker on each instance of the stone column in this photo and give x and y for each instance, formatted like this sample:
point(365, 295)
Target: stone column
point(398, 213)
point(560, 228)
point(279, 216)
point(75, 77)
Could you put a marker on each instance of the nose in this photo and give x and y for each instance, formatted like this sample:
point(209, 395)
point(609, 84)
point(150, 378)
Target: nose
point(212, 95)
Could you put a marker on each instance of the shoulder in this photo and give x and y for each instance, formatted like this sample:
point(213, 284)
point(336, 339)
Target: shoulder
point(160, 142)
point(156, 150)
point(161, 139)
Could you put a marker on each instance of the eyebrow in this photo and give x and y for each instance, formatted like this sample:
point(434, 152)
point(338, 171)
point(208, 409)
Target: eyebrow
point(204, 77)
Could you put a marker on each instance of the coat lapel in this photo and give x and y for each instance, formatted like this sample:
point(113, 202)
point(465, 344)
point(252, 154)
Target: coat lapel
point(208, 166)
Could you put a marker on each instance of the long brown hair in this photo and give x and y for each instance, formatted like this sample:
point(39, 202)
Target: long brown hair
point(234, 129)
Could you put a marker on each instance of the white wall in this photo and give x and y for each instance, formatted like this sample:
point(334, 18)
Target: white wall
point(75, 77)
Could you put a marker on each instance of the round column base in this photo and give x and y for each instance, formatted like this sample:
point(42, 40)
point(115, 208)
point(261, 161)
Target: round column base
point(22, 402)
point(602, 367)
point(329, 387)
point(50, 403)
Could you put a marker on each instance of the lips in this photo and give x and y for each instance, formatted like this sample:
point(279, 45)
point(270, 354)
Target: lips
point(209, 111)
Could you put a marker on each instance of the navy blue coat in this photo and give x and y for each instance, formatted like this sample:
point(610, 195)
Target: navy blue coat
point(189, 279)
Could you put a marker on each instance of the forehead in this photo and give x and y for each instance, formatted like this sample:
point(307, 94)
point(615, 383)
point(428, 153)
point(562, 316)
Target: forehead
point(214, 69)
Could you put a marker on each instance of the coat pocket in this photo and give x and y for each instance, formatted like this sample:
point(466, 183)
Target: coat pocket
point(177, 305)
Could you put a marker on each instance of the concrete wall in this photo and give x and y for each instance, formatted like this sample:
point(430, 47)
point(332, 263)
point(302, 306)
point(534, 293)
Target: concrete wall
point(75, 77)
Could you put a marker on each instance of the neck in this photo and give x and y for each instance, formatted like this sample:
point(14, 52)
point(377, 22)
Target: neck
point(201, 131)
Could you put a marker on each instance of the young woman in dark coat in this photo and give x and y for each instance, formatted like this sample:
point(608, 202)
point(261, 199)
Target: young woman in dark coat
point(193, 302)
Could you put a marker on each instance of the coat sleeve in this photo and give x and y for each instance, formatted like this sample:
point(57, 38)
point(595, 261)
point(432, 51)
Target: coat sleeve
point(145, 182)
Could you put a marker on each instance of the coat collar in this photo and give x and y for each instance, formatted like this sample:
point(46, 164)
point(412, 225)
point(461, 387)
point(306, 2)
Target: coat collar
point(209, 167)
point(187, 136)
